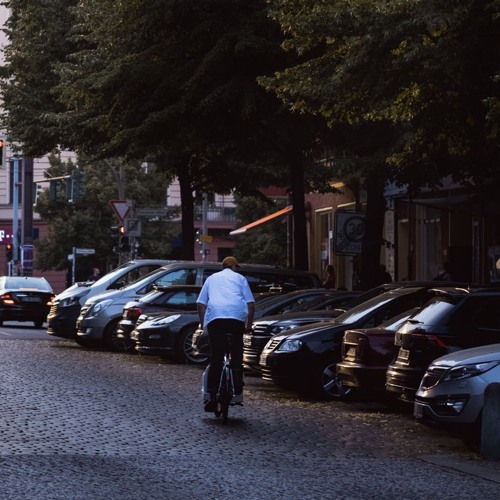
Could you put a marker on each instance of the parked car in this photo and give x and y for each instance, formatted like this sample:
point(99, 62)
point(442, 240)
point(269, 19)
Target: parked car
point(25, 298)
point(176, 298)
point(305, 358)
point(99, 317)
point(303, 314)
point(169, 335)
point(66, 306)
point(366, 354)
point(455, 319)
point(452, 389)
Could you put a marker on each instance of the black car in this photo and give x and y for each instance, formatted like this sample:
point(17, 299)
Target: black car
point(25, 298)
point(168, 335)
point(305, 358)
point(175, 298)
point(454, 320)
point(320, 309)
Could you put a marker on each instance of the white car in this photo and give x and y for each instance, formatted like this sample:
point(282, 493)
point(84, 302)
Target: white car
point(452, 389)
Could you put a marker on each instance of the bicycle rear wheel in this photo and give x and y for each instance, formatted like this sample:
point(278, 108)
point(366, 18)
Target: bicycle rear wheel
point(225, 395)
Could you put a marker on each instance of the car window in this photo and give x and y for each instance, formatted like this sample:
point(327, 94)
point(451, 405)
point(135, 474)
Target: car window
point(181, 298)
point(177, 277)
point(19, 283)
point(138, 273)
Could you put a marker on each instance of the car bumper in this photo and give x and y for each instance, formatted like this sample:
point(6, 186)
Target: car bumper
point(458, 401)
point(285, 369)
point(155, 342)
point(16, 313)
point(364, 378)
point(61, 321)
point(403, 382)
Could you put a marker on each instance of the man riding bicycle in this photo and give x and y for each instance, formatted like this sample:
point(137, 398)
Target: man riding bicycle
point(226, 308)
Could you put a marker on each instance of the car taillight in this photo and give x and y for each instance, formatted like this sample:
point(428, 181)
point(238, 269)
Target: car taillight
point(133, 313)
point(361, 348)
point(7, 299)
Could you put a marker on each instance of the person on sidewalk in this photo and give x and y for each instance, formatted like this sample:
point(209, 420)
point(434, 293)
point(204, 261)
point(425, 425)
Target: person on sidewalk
point(226, 308)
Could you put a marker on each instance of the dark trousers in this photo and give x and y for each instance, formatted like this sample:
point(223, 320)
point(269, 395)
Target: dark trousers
point(225, 334)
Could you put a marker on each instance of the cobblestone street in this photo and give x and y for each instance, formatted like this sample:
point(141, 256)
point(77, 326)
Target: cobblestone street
point(82, 424)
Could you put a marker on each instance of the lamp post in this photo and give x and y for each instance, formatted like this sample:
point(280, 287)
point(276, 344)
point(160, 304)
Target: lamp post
point(15, 214)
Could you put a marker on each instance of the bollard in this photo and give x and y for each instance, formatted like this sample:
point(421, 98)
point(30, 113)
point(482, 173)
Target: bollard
point(490, 435)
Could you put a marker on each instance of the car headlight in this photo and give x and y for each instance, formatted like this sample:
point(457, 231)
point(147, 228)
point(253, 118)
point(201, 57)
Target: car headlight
point(290, 346)
point(69, 301)
point(166, 320)
point(467, 371)
point(99, 307)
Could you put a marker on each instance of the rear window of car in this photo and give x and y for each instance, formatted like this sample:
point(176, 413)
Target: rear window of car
point(19, 283)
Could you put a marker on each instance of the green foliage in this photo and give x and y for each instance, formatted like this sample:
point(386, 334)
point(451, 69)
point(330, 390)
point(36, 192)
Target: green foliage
point(430, 68)
point(86, 222)
point(264, 244)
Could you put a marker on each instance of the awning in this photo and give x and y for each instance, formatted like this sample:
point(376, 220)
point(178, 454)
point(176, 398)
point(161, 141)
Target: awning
point(269, 217)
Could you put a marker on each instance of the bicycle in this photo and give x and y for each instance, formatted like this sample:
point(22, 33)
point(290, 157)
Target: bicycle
point(225, 391)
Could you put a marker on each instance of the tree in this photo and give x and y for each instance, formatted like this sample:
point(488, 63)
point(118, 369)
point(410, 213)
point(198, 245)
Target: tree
point(86, 222)
point(416, 80)
point(265, 244)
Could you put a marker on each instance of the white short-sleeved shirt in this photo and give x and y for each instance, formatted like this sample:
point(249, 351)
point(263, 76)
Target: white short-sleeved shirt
point(225, 295)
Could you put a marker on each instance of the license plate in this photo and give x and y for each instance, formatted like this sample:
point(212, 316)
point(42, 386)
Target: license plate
point(31, 299)
point(247, 340)
point(418, 411)
point(263, 359)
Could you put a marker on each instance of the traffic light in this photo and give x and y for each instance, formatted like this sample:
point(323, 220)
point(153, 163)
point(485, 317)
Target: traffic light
point(116, 232)
point(77, 184)
point(8, 251)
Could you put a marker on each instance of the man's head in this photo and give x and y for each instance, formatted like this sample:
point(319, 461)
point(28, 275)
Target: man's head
point(229, 262)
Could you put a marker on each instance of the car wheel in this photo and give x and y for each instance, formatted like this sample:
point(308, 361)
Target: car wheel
point(112, 342)
point(185, 351)
point(327, 383)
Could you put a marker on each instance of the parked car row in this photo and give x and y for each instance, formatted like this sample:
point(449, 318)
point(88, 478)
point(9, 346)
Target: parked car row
point(439, 353)
point(322, 343)
point(108, 311)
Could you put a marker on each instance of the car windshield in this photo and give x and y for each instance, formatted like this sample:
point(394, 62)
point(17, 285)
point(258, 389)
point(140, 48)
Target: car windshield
point(20, 283)
point(366, 308)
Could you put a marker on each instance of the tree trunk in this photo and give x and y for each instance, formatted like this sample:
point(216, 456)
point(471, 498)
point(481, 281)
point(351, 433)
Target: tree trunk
point(300, 252)
point(374, 224)
point(187, 212)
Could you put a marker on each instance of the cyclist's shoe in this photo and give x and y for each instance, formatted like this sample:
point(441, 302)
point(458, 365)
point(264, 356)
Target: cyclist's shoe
point(211, 404)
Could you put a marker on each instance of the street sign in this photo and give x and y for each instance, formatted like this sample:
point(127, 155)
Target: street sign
point(349, 232)
point(151, 213)
point(133, 227)
point(85, 251)
point(207, 238)
point(121, 208)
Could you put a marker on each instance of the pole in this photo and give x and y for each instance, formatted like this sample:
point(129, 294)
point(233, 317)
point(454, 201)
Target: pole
point(15, 214)
point(73, 267)
point(204, 231)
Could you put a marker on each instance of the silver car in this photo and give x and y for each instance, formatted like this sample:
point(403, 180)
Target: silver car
point(452, 389)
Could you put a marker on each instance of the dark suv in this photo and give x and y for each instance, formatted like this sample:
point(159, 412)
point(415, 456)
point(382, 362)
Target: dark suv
point(454, 320)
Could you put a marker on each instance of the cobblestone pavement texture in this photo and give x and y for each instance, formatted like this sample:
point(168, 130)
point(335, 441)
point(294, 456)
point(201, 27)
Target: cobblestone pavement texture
point(90, 424)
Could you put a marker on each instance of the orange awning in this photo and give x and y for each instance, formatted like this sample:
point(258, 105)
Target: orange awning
point(269, 217)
